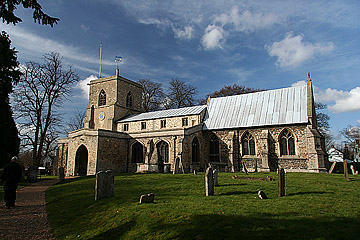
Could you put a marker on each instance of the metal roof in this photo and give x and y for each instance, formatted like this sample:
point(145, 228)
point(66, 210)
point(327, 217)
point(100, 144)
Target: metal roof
point(273, 107)
point(165, 114)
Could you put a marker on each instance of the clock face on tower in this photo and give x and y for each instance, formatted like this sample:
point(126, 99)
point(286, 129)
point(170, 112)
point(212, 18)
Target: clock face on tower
point(102, 116)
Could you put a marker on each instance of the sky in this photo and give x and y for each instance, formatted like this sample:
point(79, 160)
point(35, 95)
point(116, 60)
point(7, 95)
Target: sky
point(207, 44)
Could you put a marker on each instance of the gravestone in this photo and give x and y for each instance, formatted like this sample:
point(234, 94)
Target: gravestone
point(209, 182)
point(104, 186)
point(32, 173)
point(281, 182)
point(332, 167)
point(353, 170)
point(61, 174)
point(195, 172)
point(262, 195)
point(215, 175)
point(177, 166)
point(147, 198)
point(346, 172)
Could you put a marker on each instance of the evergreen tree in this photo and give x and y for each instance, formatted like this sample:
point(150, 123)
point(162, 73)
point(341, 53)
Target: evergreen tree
point(9, 76)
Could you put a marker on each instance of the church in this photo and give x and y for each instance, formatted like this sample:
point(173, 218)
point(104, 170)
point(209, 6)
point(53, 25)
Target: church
point(261, 131)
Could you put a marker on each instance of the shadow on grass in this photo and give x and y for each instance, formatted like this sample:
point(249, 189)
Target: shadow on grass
point(229, 185)
point(215, 226)
point(117, 232)
point(74, 179)
point(237, 193)
point(306, 193)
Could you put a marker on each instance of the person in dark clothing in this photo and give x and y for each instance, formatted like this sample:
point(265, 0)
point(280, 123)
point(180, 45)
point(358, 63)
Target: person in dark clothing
point(11, 176)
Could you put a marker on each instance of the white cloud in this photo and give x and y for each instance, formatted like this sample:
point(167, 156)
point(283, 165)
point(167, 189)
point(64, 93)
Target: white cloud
point(246, 21)
point(292, 51)
point(358, 121)
point(84, 28)
point(349, 103)
point(39, 45)
point(214, 37)
point(83, 85)
point(187, 33)
point(299, 83)
point(241, 74)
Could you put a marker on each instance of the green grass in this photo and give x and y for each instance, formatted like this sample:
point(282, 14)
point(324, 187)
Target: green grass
point(316, 206)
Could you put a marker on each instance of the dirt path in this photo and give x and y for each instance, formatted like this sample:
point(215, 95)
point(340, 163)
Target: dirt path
point(28, 220)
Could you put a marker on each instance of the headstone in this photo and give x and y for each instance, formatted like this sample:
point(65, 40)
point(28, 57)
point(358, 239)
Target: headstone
point(209, 182)
point(332, 168)
point(346, 173)
point(195, 172)
point(215, 175)
point(61, 174)
point(177, 166)
point(281, 182)
point(166, 168)
point(269, 178)
point(147, 198)
point(32, 173)
point(104, 186)
point(352, 169)
point(262, 195)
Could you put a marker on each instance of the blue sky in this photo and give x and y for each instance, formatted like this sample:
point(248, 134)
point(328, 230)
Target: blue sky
point(208, 44)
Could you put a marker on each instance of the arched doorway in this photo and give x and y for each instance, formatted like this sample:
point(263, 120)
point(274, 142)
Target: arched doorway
point(163, 154)
point(81, 161)
point(137, 153)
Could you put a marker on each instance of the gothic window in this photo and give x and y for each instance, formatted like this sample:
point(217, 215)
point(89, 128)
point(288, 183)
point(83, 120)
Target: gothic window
point(163, 152)
point(248, 144)
point(214, 149)
point(287, 143)
point(185, 122)
point(129, 100)
point(102, 98)
point(137, 153)
point(143, 125)
point(126, 127)
point(195, 150)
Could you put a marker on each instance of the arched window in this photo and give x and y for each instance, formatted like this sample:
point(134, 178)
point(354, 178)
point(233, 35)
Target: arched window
point(102, 98)
point(195, 150)
point(287, 143)
point(129, 100)
point(163, 152)
point(137, 153)
point(214, 149)
point(248, 144)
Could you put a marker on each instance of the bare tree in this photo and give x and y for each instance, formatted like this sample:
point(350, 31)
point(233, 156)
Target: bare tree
point(76, 121)
point(38, 96)
point(229, 90)
point(180, 94)
point(323, 125)
point(152, 95)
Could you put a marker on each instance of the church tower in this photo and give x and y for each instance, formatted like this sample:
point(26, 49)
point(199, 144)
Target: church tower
point(110, 99)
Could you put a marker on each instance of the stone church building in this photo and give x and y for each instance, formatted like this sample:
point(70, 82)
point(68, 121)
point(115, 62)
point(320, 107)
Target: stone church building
point(261, 131)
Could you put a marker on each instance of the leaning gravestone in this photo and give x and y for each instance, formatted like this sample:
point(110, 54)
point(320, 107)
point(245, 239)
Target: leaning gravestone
point(215, 175)
point(147, 198)
point(104, 186)
point(262, 195)
point(209, 182)
point(32, 173)
point(61, 174)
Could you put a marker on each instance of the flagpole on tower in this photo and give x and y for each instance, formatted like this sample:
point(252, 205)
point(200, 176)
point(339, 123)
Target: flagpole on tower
point(100, 60)
point(118, 60)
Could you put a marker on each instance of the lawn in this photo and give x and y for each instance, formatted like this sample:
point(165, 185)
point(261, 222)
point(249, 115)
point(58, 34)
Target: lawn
point(316, 206)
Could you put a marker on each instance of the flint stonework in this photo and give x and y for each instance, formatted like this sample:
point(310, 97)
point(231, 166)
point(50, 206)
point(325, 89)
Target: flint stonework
point(104, 186)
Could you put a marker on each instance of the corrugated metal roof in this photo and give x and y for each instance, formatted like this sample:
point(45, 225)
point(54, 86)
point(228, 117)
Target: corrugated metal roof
point(165, 114)
point(273, 107)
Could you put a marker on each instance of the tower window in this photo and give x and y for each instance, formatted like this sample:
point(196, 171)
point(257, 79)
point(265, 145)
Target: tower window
point(126, 127)
point(129, 102)
point(185, 122)
point(143, 125)
point(102, 98)
point(163, 123)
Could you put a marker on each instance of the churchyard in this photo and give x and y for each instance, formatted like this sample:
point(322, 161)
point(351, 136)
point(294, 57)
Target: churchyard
point(315, 206)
